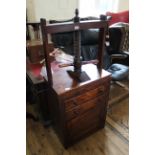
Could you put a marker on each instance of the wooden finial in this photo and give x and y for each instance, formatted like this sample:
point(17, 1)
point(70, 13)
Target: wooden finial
point(43, 21)
point(76, 12)
point(76, 18)
point(103, 17)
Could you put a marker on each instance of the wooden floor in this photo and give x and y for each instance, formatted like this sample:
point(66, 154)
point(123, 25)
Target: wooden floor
point(112, 140)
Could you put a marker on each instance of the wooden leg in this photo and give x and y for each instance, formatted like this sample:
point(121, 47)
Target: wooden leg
point(31, 116)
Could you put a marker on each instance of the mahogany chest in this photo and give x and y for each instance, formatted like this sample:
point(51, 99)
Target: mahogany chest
point(79, 108)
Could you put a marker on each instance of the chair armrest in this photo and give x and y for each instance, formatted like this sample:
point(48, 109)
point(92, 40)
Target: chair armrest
point(126, 52)
point(119, 56)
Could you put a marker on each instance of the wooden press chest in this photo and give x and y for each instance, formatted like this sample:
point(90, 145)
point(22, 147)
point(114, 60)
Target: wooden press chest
point(79, 108)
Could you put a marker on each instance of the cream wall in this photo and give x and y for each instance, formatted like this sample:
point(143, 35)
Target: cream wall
point(123, 5)
point(30, 10)
point(51, 9)
point(60, 9)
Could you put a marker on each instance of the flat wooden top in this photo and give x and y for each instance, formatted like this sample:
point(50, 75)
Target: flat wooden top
point(62, 82)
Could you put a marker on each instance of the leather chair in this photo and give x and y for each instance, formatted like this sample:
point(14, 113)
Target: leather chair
point(119, 50)
point(89, 45)
point(119, 37)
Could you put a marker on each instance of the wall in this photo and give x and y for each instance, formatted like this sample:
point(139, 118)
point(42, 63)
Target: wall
point(51, 9)
point(30, 10)
point(62, 9)
point(123, 5)
point(97, 7)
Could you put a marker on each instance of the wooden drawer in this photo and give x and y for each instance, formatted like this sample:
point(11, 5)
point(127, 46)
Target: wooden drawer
point(87, 96)
point(86, 123)
point(80, 109)
point(85, 88)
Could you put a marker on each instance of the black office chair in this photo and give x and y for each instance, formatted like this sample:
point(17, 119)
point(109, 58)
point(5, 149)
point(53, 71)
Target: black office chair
point(118, 49)
point(119, 41)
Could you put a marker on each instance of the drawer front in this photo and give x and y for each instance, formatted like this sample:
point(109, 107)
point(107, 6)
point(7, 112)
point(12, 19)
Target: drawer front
point(85, 97)
point(85, 124)
point(86, 88)
point(80, 109)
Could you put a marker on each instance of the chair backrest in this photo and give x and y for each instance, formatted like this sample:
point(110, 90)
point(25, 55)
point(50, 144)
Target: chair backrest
point(119, 37)
point(118, 17)
point(125, 39)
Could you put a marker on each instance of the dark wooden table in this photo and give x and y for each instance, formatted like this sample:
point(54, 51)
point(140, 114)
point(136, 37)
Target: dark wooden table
point(38, 90)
